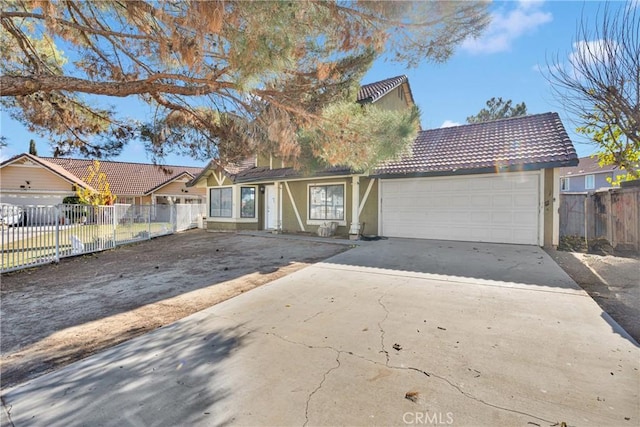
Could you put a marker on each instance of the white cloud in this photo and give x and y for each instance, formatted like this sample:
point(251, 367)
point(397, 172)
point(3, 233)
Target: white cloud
point(449, 123)
point(508, 25)
point(590, 52)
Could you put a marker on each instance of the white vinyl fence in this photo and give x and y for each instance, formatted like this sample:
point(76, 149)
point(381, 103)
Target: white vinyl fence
point(36, 235)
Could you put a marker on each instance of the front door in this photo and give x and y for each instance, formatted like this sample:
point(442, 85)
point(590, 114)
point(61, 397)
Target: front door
point(270, 214)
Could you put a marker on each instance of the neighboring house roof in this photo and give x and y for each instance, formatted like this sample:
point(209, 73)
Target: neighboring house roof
point(587, 166)
point(373, 91)
point(128, 178)
point(521, 143)
point(51, 166)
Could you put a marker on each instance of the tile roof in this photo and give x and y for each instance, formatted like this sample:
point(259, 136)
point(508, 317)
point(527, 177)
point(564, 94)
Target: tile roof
point(128, 178)
point(533, 142)
point(373, 91)
point(587, 165)
point(263, 173)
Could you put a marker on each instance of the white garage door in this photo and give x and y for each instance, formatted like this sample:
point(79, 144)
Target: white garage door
point(480, 208)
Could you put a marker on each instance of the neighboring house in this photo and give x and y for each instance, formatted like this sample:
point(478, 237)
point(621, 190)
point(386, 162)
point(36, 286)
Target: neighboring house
point(26, 179)
point(489, 182)
point(587, 176)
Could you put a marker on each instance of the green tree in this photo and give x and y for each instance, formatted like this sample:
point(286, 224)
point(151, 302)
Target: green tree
point(100, 193)
point(600, 85)
point(498, 109)
point(32, 148)
point(223, 78)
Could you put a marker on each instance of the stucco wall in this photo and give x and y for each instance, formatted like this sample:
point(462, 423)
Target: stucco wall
point(369, 216)
point(394, 100)
point(40, 179)
point(44, 187)
point(299, 191)
point(177, 188)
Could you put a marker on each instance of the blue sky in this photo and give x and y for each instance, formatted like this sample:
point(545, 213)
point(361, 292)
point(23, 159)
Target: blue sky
point(507, 61)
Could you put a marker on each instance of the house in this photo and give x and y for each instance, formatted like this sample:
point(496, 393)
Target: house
point(26, 179)
point(486, 182)
point(587, 176)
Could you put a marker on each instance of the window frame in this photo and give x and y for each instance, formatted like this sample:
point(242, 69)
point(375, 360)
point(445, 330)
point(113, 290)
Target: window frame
point(315, 221)
point(221, 189)
point(565, 184)
point(593, 182)
point(253, 189)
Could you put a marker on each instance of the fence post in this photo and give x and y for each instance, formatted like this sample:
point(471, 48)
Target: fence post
point(115, 224)
point(586, 221)
point(149, 223)
point(57, 220)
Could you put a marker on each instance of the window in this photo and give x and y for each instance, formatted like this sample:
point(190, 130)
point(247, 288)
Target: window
point(326, 202)
point(564, 184)
point(248, 202)
point(589, 182)
point(221, 202)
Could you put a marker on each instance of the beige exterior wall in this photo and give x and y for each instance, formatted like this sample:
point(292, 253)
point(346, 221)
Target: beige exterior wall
point(44, 187)
point(40, 179)
point(180, 190)
point(394, 100)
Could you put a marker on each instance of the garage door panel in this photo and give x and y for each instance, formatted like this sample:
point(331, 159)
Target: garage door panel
point(488, 208)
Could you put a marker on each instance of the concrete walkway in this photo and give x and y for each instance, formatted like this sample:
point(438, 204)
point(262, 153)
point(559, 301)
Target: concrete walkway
point(396, 332)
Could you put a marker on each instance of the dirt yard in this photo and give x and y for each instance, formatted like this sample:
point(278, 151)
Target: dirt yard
point(56, 314)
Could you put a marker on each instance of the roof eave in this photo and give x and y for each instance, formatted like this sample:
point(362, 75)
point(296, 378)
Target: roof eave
point(284, 177)
point(476, 171)
point(169, 181)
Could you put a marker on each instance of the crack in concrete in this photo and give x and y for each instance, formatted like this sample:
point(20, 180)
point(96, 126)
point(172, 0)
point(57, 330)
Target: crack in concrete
point(382, 332)
point(311, 317)
point(386, 364)
point(324, 378)
point(7, 410)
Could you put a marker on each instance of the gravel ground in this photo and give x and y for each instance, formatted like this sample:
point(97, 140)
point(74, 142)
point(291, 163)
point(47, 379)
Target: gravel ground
point(56, 314)
point(612, 281)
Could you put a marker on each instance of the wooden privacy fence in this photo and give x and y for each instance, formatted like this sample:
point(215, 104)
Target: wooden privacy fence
point(612, 214)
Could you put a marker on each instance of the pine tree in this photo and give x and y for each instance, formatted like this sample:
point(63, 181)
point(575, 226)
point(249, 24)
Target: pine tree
point(224, 78)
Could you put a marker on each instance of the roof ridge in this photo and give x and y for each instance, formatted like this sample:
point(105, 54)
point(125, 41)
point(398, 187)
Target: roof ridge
point(401, 76)
point(119, 161)
point(503, 119)
point(376, 90)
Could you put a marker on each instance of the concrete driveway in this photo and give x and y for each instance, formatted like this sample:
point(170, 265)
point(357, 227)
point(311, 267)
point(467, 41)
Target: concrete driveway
point(395, 332)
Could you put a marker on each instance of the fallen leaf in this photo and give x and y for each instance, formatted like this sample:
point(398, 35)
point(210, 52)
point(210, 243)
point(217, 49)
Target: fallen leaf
point(412, 396)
